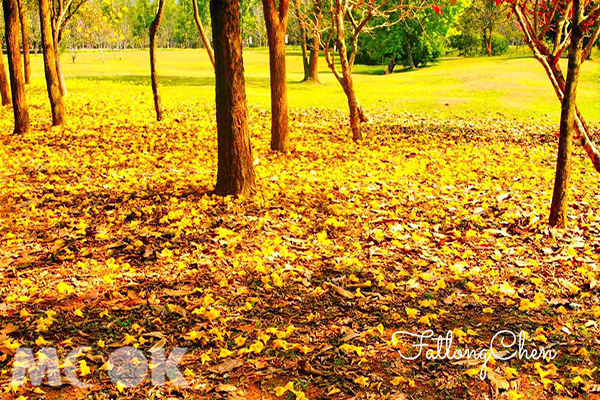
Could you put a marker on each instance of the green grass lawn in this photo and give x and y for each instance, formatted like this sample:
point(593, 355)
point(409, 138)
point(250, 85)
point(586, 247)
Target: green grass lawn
point(512, 85)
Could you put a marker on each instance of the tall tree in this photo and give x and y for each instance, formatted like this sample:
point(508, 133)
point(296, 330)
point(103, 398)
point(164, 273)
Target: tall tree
point(310, 22)
point(153, 74)
point(25, 38)
point(62, 12)
point(52, 79)
point(276, 18)
point(313, 62)
point(15, 65)
point(558, 210)
point(547, 32)
point(4, 85)
point(200, 27)
point(303, 46)
point(235, 175)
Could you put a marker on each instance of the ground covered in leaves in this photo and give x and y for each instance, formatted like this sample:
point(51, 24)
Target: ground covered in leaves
point(109, 237)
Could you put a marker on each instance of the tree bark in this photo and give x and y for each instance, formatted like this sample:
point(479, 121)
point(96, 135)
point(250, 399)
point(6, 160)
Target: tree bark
point(487, 41)
point(305, 55)
point(235, 173)
point(391, 66)
point(205, 40)
point(153, 74)
point(276, 23)
point(15, 65)
point(52, 80)
point(558, 210)
point(354, 108)
point(313, 64)
point(25, 39)
point(303, 47)
point(59, 71)
point(411, 62)
point(4, 85)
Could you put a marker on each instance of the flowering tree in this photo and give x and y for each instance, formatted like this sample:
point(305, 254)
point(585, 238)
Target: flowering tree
point(547, 26)
point(550, 27)
point(348, 19)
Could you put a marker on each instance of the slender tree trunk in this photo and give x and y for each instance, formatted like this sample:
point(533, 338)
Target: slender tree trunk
point(303, 47)
point(346, 79)
point(487, 41)
point(276, 22)
point(4, 85)
point(25, 38)
point(52, 80)
point(305, 61)
point(354, 108)
point(235, 175)
point(391, 66)
point(153, 74)
point(59, 71)
point(313, 64)
point(558, 211)
point(15, 65)
point(411, 63)
point(205, 40)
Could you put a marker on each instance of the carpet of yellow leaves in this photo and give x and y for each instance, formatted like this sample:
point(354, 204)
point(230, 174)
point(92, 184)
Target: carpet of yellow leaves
point(109, 237)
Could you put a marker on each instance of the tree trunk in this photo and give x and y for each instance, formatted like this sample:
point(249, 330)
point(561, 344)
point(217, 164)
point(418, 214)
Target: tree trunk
point(558, 211)
point(207, 45)
point(302, 23)
point(313, 64)
point(354, 108)
point(153, 74)
point(235, 175)
point(276, 23)
point(52, 80)
point(4, 85)
point(25, 38)
point(391, 66)
point(61, 76)
point(305, 61)
point(15, 65)
point(487, 41)
point(411, 63)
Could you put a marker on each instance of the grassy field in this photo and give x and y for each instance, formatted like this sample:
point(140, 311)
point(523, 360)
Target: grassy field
point(513, 86)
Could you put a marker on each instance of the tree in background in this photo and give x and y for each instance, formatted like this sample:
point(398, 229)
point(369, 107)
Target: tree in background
point(357, 16)
point(200, 27)
point(276, 17)
point(153, 74)
point(253, 23)
point(412, 42)
point(140, 19)
point(62, 11)
point(309, 21)
point(478, 27)
point(235, 172)
point(4, 85)
point(24, 21)
point(52, 80)
point(15, 65)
